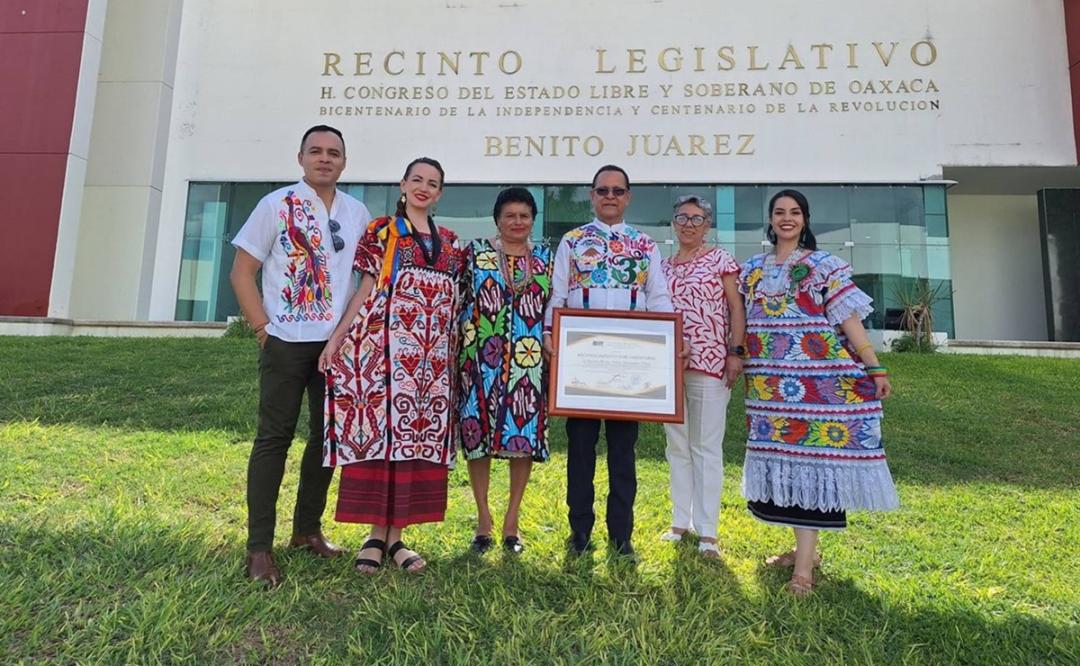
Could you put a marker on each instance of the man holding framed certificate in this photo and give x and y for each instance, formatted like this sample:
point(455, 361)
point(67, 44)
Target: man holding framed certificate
point(614, 355)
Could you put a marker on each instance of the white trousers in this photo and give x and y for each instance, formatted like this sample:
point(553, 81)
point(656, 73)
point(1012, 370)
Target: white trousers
point(695, 453)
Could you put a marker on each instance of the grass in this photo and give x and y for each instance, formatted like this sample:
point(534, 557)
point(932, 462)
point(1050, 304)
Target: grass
point(122, 466)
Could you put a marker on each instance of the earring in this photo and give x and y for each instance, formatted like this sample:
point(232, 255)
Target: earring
point(402, 200)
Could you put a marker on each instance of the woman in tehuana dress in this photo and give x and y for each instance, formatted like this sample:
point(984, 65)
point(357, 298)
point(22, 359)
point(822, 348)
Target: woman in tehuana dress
point(813, 391)
point(503, 409)
point(389, 366)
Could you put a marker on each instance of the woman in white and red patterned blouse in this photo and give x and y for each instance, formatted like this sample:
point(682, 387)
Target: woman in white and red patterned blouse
point(703, 285)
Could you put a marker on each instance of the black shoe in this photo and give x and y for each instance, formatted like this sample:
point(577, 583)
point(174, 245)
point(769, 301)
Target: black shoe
point(579, 542)
point(481, 543)
point(512, 544)
point(624, 549)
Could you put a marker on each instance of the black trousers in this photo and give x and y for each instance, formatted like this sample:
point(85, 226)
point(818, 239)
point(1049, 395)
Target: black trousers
point(621, 437)
point(287, 370)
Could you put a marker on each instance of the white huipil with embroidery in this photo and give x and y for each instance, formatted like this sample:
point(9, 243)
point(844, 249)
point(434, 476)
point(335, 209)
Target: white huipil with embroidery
point(306, 282)
point(608, 267)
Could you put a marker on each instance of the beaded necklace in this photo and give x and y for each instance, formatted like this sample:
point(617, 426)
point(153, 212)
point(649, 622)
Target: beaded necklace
point(507, 271)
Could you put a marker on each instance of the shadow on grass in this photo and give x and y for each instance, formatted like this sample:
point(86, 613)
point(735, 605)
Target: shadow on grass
point(945, 632)
point(166, 384)
point(128, 592)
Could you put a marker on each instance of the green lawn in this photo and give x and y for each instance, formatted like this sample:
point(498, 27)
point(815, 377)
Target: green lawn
point(122, 467)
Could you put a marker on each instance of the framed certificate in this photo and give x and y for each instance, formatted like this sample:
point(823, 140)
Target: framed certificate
point(614, 364)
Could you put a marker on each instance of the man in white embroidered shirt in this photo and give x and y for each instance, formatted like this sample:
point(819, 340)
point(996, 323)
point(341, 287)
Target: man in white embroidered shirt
point(303, 238)
point(607, 265)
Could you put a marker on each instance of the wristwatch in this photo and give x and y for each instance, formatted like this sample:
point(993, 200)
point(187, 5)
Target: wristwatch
point(737, 350)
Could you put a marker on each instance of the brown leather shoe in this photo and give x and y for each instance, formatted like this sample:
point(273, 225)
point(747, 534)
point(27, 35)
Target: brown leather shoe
point(317, 543)
point(261, 567)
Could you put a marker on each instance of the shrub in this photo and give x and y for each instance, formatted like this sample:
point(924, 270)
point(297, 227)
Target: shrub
point(909, 343)
point(239, 327)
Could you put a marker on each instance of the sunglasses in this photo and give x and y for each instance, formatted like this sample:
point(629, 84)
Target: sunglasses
point(339, 242)
point(682, 219)
point(613, 191)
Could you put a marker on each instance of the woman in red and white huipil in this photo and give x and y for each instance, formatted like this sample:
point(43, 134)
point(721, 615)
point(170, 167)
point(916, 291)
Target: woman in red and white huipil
point(704, 288)
point(389, 370)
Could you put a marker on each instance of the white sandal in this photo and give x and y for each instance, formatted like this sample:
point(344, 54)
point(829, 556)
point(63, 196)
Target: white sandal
point(707, 547)
point(673, 537)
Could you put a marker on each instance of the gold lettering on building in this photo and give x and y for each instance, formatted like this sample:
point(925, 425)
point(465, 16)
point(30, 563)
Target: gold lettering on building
point(671, 59)
point(696, 145)
point(931, 53)
point(886, 58)
point(791, 56)
point(398, 63)
point(363, 63)
point(542, 146)
point(506, 58)
point(756, 58)
point(386, 63)
point(823, 50)
point(331, 62)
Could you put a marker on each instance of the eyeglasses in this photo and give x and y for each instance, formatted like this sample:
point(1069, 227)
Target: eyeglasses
point(682, 219)
point(613, 191)
point(339, 242)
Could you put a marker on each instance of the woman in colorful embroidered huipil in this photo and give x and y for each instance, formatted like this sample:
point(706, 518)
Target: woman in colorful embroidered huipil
point(389, 404)
point(703, 283)
point(813, 391)
point(503, 408)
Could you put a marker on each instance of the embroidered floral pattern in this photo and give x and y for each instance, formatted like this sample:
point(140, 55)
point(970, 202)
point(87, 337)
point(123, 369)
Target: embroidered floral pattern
point(389, 391)
point(811, 408)
point(697, 291)
point(601, 260)
point(503, 378)
point(306, 294)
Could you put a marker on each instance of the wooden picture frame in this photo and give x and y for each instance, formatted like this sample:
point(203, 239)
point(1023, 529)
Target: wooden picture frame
point(616, 364)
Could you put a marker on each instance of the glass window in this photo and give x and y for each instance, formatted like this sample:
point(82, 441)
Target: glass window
point(873, 215)
point(876, 259)
point(743, 251)
point(828, 211)
point(750, 217)
point(466, 209)
point(565, 207)
point(724, 212)
point(934, 199)
point(203, 251)
point(890, 235)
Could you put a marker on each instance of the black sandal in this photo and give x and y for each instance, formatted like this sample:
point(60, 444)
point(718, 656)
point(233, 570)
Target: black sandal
point(405, 566)
point(365, 562)
point(513, 544)
point(481, 543)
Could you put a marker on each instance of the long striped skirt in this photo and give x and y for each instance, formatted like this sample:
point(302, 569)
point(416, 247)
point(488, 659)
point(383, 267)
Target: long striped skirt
point(382, 492)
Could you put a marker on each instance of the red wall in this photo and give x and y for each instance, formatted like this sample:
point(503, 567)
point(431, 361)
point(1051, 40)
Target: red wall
point(40, 49)
point(1072, 34)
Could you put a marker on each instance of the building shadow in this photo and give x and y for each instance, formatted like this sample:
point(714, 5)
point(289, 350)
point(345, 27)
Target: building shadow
point(147, 590)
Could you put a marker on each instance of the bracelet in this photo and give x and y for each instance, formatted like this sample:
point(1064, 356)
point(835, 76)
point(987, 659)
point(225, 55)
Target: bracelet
point(877, 371)
point(860, 348)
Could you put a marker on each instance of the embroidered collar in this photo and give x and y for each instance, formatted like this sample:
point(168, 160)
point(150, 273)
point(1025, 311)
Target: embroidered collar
point(608, 229)
point(305, 191)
